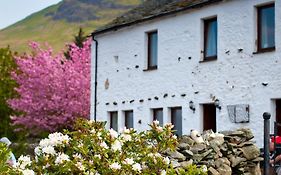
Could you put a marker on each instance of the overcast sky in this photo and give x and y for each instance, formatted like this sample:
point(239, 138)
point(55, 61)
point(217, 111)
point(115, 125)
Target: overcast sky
point(12, 11)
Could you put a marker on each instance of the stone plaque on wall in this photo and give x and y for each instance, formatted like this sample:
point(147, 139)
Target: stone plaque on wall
point(239, 113)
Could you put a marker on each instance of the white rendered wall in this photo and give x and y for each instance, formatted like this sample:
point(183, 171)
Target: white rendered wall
point(234, 78)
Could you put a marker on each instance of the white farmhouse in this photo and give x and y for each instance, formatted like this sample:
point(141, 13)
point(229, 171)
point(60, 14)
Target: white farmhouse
point(200, 64)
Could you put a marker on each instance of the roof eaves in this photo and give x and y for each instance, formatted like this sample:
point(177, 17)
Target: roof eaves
point(147, 18)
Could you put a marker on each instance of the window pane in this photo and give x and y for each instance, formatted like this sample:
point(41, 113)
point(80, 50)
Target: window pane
point(211, 38)
point(114, 120)
point(152, 49)
point(129, 122)
point(176, 119)
point(267, 26)
point(158, 115)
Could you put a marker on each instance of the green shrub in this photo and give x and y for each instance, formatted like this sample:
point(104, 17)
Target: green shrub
point(7, 85)
point(5, 168)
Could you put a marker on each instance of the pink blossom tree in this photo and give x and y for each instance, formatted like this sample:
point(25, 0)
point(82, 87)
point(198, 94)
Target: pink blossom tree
point(53, 91)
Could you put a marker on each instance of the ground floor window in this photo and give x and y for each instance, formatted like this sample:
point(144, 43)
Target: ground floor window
point(176, 119)
point(129, 119)
point(114, 120)
point(158, 115)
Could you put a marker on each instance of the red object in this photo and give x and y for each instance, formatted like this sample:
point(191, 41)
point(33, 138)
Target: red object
point(277, 139)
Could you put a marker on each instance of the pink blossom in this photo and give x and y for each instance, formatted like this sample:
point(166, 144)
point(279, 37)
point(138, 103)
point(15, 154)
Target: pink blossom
point(53, 91)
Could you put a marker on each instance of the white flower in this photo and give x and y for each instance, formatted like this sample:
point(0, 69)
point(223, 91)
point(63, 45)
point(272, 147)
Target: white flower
point(159, 129)
point(204, 168)
point(163, 172)
point(49, 150)
point(23, 161)
point(144, 166)
point(99, 136)
point(126, 137)
point(103, 145)
point(28, 172)
point(80, 145)
point(113, 133)
point(156, 122)
point(129, 161)
point(174, 137)
point(61, 158)
point(80, 166)
point(91, 173)
point(167, 160)
point(54, 139)
point(97, 156)
point(44, 142)
point(58, 138)
point(37, 151)
point(116, 146)
point(125, 130)
point(157, 155)
point(93, 131)
point(77, 156)
point(137, 167)
point(115, 166)
point(91, 122)
point(169, 125)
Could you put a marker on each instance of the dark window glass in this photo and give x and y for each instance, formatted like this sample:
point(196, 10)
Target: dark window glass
point(158, 115)
point(114, 120)
point(152, 50)
point(210, 39)
point(266, 27)
point(129, 120)
point(176, 120)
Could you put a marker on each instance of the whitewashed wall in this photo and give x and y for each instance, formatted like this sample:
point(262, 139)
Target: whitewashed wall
point(234, 78)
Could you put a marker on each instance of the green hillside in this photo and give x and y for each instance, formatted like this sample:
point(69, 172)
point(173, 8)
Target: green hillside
point(58, 24)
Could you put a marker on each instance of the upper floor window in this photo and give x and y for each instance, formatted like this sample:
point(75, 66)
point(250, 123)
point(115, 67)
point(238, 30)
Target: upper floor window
point(158, 115)
point(210, 39)
point(114, 120)
point(129, 120)
point(152, 38)
point(266, 27)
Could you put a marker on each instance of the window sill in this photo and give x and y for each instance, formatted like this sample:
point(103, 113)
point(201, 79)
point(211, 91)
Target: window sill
point(208, 59)
point(150, 68)
point(271, 49)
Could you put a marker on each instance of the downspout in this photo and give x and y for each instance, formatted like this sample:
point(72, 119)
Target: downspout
point(96, 77)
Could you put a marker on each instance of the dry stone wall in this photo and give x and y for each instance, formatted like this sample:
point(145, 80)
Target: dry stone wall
point(230, 152)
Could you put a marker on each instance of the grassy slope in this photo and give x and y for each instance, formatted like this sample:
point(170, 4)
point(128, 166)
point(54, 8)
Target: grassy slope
point(41, 28)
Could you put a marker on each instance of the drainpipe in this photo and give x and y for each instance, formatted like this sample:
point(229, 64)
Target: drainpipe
point(96, 77)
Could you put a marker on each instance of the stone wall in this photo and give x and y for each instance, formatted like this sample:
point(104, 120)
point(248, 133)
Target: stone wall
point(231, 152)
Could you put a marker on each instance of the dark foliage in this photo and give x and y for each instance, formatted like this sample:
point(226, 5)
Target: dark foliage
point(78, 40)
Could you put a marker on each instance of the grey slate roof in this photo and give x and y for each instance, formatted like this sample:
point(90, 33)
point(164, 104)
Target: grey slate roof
point(152, 9)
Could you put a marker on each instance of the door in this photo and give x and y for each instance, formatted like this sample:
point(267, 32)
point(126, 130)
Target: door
point(209, 117)
point(278, 115)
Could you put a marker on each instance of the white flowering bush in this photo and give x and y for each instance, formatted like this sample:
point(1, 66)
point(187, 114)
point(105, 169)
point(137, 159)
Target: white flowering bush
point(93, 150)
